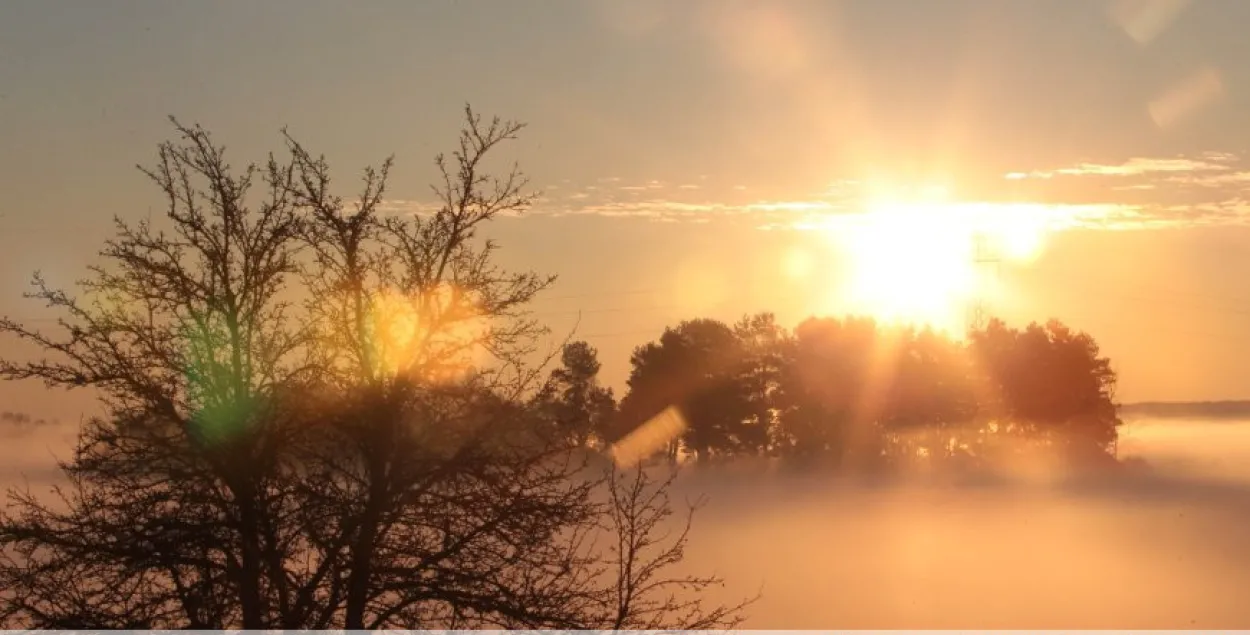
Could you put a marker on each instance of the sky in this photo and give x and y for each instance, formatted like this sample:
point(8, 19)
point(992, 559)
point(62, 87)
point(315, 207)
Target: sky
point(699, 158)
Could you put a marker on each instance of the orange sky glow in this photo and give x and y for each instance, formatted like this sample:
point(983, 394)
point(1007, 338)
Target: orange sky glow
point(911, 161)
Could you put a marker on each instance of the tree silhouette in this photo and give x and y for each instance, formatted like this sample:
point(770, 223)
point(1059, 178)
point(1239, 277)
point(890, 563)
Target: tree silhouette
point(858, 394)
point(187, 340)
point(1049, 382)
point(642, 598)
point(697, 367)
point(929, 398)
point(581, 409)
point(765, 345)
point(826, 393)
point(331, 441)
point(403, 305)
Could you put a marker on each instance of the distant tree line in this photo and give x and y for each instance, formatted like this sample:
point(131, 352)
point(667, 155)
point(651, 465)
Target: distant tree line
point(855, 393)
point(1187, 410)
point(22, 420)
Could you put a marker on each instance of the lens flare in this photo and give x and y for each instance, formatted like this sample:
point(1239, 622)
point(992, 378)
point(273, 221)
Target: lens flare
point(648, 438)
point(437, 334)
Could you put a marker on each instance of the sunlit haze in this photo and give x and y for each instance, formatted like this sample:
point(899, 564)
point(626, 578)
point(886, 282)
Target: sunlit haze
point(943, 303)
point(1113, 125)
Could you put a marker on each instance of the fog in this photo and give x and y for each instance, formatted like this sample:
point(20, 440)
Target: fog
point(1162, 549)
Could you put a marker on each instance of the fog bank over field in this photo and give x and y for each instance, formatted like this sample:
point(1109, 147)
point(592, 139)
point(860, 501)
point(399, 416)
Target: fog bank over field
point(1165, 549)
point(1162, 549)
point(1202, 448)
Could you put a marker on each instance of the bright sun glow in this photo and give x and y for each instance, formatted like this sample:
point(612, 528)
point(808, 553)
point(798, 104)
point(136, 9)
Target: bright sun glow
point(401, 340)
point(916, 261)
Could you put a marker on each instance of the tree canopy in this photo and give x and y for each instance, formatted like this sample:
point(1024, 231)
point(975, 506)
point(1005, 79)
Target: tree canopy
point(841, 390)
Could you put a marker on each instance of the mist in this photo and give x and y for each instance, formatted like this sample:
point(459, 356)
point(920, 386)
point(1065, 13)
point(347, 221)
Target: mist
point(1160, 549)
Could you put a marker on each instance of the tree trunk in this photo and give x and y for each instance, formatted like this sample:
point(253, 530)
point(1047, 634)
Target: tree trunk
point(362, 557)
point(249, 584)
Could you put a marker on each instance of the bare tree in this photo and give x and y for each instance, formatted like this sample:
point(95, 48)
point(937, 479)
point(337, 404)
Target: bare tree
point(649, 541)
point(391, 469)
point(351, 451)
point(185, 337)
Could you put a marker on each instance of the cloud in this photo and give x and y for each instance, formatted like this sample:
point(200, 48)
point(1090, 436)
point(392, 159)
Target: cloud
point(806, 215)
point(1068, 208)
point(651, 185)
point(1052, 216)
point(1137, 166)
point(792, 206)
point(1188, 190)
point(843, 186)
point(1232, 211)
point(651, 208)
point(1214, 180)
point(1220, 157)
point(670, 209)
point(402, 207)
point(1139, 193)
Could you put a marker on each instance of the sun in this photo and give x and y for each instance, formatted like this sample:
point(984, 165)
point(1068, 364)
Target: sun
point(906, 263)
point(916, 261)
